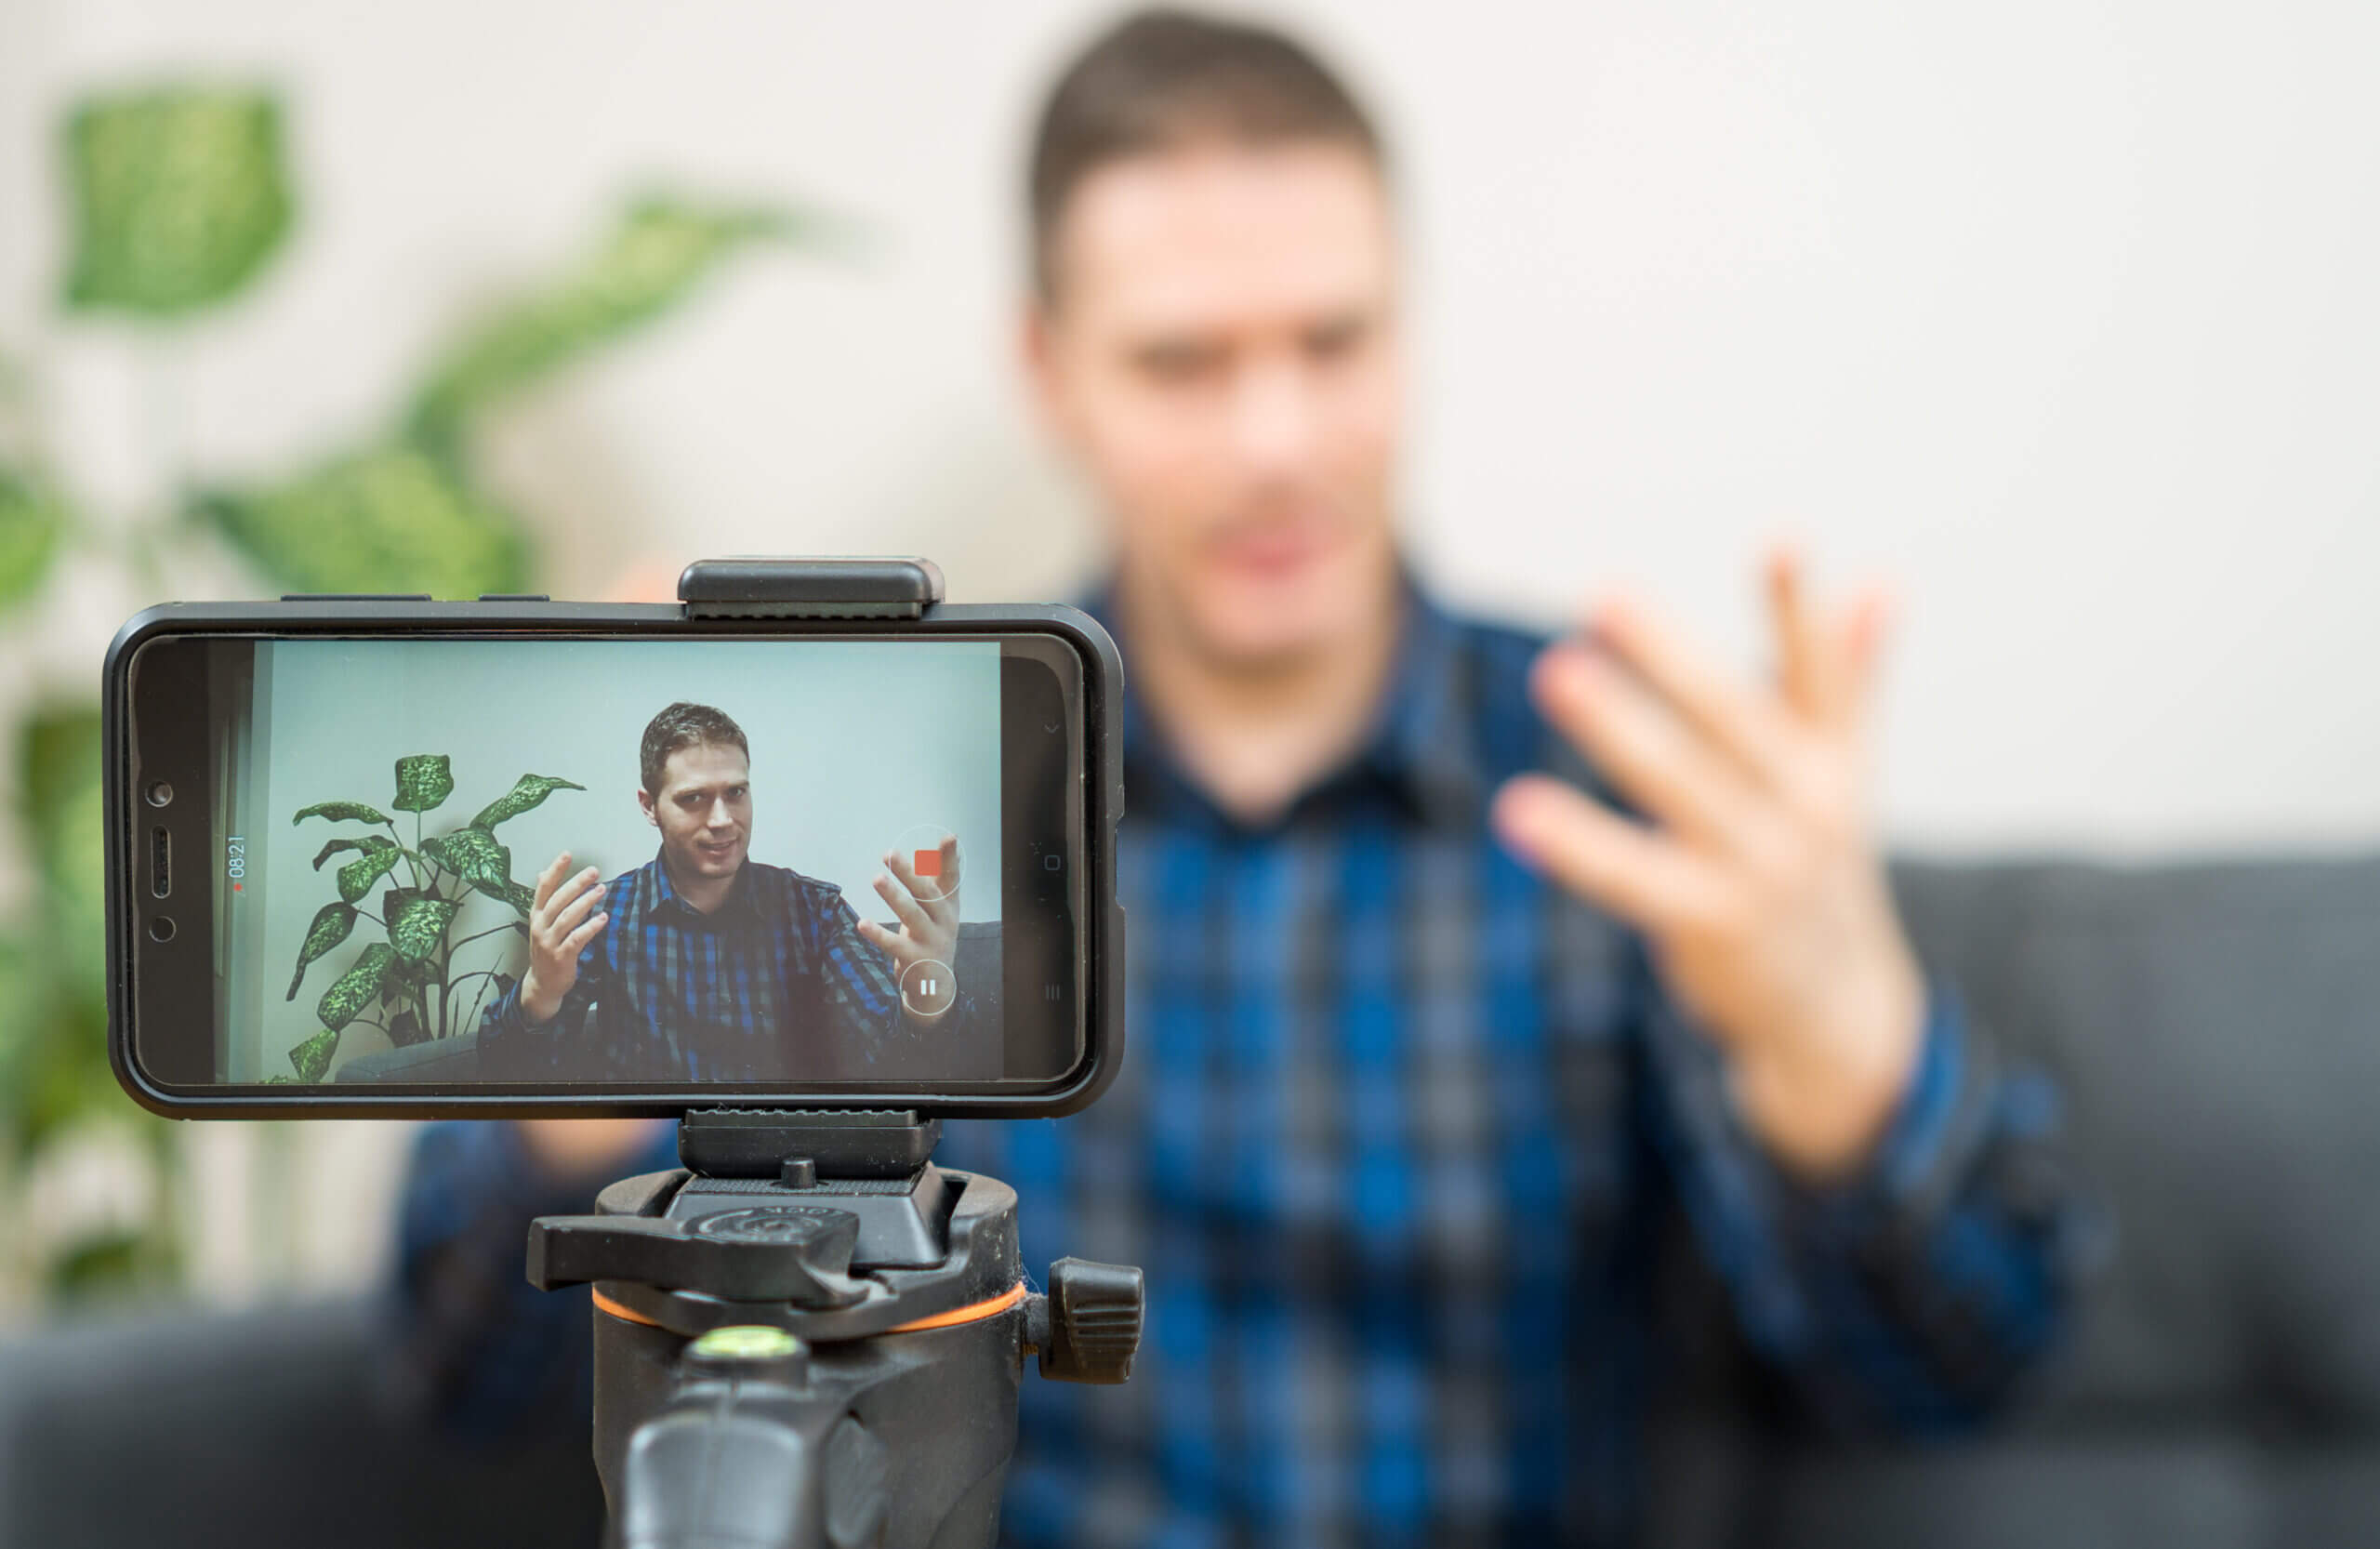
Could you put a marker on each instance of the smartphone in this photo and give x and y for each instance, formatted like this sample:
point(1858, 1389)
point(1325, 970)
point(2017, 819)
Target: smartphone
point(374, 856)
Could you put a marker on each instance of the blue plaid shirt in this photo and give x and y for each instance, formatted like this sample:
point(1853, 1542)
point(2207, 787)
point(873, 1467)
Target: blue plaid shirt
point(776, 984)
point(1397, 1129)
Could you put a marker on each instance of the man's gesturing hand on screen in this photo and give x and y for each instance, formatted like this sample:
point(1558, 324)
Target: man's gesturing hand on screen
point(1758, 887)
point(561, 924)
point(928, 909)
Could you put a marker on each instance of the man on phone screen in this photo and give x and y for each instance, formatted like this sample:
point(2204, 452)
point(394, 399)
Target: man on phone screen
point(705, 965)
point(1466, 967)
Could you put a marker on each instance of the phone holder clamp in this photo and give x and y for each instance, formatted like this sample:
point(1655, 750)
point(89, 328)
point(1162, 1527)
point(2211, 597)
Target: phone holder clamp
point(767, 588)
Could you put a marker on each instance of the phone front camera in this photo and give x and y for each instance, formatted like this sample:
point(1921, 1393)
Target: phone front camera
point(160, 792)
point(161, 928)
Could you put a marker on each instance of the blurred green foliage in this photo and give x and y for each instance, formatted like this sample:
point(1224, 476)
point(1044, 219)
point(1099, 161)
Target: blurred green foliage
point(54, 1074)
point(391, 518)
point(31, 519)
point(179, 197)
point(655, 257)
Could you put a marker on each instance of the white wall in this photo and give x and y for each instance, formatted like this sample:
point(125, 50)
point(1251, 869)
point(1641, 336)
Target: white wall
point(2061, 313)
point(854, 744)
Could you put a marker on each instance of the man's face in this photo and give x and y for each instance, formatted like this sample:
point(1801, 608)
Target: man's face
point(1219, 356)
point(703, 809)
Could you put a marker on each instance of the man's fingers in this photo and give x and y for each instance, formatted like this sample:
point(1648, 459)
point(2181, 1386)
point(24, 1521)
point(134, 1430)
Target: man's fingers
point(905, 903)
point(547, 879)
point(577, 941)
point(1653, 883)
point(570, 903)
point(1805, 671)
point(939, 897)
point(1864, 634)
point(1827, 664)
point(943, 905)
point(884, 941)
point(1745, 722)
point(1652, 756)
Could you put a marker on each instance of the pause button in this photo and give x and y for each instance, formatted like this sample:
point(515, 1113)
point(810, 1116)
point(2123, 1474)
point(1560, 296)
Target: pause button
point(927, 988)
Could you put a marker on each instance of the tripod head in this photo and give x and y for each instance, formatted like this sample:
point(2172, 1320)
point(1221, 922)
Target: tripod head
point(809, 1335)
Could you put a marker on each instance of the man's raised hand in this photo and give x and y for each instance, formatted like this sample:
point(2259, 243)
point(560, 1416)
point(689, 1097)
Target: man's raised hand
point(1757, 884)
point(562, 920)
point(928, 911)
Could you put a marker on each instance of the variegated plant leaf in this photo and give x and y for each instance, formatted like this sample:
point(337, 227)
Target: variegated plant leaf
point(355, 879)
point(331, 923)
point(387, 517)
point(472, 854)
point(369, 843)
point(409, 975)
point(424, 780)
point(312, 1058)
point(179, 195)
point(356, 988)
point(504, 890)
point(340, 812)
point(403, 976)
point(526, 792)
point(419, 925)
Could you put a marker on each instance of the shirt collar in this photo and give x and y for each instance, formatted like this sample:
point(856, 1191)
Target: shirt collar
point(1422, 745)
point(660, 894)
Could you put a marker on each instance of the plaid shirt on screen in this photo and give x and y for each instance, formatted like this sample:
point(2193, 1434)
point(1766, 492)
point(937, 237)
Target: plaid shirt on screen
point(776, 984)
point(1398, 1127)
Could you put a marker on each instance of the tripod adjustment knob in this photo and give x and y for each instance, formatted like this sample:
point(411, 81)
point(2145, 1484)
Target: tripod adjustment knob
point(1088, 1328)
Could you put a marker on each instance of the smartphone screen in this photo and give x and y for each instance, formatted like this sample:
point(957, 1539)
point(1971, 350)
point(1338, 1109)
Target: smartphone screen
point(711, 867)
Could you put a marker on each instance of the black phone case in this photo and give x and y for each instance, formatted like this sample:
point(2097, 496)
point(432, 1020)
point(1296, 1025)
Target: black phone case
point(723, 597)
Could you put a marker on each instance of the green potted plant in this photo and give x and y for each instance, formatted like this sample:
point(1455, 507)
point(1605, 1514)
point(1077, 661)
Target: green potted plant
point(405, 984)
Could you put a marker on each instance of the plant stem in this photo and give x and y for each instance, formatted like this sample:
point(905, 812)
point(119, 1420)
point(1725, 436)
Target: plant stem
point(487, 977)
point(413, 857)
point(508, 925)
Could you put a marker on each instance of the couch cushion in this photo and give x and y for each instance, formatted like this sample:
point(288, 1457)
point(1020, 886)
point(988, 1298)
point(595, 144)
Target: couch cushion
point(215, 1431)
point(2215, 1028)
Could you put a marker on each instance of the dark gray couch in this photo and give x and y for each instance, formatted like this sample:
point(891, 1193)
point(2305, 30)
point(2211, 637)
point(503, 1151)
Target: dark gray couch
point(2216, 1031)
point(2216, 1028)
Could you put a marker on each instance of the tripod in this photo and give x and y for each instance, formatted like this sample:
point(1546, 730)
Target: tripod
point(811, 1337)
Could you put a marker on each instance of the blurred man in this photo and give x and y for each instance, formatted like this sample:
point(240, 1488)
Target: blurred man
point(1461, 966)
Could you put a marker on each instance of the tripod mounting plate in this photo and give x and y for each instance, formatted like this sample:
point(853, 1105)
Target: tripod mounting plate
point(835, 1261)
point(835, 1143)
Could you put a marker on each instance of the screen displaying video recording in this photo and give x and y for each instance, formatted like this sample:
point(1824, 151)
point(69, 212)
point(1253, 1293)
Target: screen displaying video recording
point(656, 863)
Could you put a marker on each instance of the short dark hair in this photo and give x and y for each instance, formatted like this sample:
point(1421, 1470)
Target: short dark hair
point(1162, 79)
point(684, 725)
